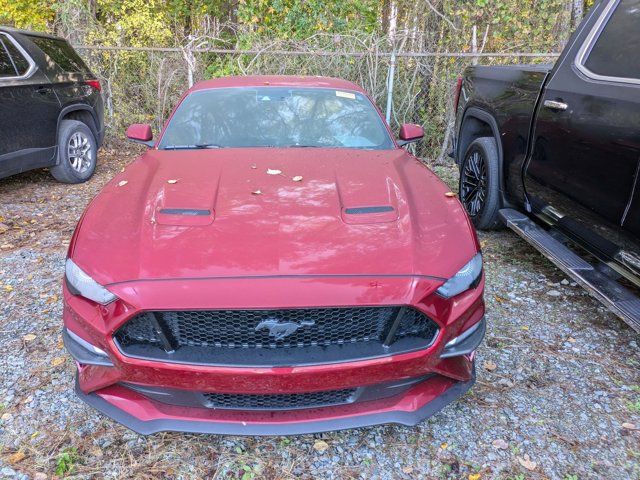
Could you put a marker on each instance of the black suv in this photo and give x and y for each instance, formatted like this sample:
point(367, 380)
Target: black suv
point(51, 110)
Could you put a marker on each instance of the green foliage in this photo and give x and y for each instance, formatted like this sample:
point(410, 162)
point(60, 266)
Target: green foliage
point(293, 18)
point(66, 461)
point(634, 406)
point(512, 24)
point(31, 14)
point(136, 23)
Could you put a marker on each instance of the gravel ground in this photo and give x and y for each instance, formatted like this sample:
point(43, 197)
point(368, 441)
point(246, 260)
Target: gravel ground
point(557, 396)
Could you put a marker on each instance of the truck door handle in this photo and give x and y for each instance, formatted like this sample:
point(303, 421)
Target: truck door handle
point(555, 105)
point(43, 90)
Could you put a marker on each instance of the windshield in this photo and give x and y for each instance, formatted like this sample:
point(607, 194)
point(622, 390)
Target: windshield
point(275, 117)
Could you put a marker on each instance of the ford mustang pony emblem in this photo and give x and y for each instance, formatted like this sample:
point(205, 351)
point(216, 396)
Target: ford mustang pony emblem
point(280, 330)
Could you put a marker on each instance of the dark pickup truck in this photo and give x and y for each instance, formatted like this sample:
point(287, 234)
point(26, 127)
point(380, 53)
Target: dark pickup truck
point(553, 152)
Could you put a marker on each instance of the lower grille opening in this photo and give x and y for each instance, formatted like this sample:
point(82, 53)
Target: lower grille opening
point(284, 337)
point(279, 401)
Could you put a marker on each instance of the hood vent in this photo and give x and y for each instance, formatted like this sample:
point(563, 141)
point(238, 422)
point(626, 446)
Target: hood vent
point(185, 211)
point(369, 214)
point(368, 210)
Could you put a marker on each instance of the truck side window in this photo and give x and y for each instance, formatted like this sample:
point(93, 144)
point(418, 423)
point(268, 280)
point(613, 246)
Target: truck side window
point(6, 66)
point(21, 63)
point(616, 52)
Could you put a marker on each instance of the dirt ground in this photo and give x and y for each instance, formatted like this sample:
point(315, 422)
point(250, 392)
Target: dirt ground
point(557, 396)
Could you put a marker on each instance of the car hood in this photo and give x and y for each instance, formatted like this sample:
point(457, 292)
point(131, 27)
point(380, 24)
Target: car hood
point(282, 212)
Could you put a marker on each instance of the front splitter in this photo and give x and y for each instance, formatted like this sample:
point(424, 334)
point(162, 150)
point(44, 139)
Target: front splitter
point(151, 426)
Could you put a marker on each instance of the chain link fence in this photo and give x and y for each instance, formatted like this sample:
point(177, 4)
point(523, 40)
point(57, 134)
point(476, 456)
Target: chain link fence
point(142, 85)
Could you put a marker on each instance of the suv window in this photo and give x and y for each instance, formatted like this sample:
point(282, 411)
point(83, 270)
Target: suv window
point(617, 50)
point(6, 67)
point(21, 63)
point(62, 53)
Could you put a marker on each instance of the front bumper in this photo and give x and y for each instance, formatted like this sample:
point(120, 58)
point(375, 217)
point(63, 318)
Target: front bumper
point(146, 417)
point(438, 374)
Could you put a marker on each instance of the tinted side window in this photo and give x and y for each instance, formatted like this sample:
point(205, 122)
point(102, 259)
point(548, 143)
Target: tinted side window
point(21, 63)
point(6, 67)
point(62, 53)
point(617, 49)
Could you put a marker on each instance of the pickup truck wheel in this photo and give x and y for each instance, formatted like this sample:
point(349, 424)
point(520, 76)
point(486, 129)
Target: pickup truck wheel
point(77, 153)
point(479, 183)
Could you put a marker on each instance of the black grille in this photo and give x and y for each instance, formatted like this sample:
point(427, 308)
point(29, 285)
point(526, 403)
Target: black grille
point(279, 401)
point(199, 336)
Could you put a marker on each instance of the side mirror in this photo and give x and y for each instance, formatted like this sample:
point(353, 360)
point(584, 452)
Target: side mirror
point(140, 133)
point(410, 132)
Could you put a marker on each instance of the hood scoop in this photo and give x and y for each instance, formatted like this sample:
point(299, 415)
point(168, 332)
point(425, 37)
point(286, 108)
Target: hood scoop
point(186, 217)
point(369, 214)
point(184, 211)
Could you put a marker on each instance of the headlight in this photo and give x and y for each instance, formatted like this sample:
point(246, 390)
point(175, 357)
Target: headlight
point(82, 284)
point(464, 279)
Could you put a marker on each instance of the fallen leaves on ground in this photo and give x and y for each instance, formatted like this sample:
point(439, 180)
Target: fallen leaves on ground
point(16, 457)
point(489, 365)
point(527, 463)
point(29, 337)
point(58, 361)
point(500, 444)
point(320, 446)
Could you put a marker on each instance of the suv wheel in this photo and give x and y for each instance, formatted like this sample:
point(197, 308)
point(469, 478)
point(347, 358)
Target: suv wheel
point(480, 183)
point(77, 153)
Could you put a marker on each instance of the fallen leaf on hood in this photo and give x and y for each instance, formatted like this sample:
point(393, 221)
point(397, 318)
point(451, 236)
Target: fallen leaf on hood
point(320, 446)
point(450, 194)
point(122, 183)
point(489, 365)
point(256, 192)
point(172, 181)
point(16, 457)
point(297, 178)
point(58, 361)
point(29, 337)
point(527, 463)
point(500, 444)
point(272, 171)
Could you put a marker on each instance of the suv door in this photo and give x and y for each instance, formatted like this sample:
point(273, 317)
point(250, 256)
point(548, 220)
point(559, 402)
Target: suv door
point(586, 149)
point(29, 111)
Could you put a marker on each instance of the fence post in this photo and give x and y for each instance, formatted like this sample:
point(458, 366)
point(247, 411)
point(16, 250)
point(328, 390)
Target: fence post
point(390, 75)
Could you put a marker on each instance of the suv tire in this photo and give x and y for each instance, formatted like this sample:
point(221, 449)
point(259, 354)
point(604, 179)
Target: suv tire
point(480, 183)
point(77, 153)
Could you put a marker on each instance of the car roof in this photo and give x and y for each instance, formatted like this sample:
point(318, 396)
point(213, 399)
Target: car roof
point(32, 33)
point(277, 81)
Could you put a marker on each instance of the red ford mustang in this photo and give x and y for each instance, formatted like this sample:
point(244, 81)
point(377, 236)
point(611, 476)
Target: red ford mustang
point(275, 263)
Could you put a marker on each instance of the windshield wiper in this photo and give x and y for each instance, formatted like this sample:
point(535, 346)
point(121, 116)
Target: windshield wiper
point(192, 147)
